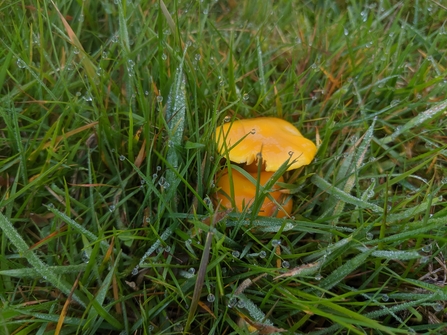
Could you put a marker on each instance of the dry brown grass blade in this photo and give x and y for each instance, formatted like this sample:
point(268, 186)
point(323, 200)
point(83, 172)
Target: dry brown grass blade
point(88, 65)
point(60, 138)
point(60, 322)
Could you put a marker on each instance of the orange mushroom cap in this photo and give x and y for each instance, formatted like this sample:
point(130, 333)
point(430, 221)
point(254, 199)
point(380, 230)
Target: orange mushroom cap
point(277, 140)
point(245, 193)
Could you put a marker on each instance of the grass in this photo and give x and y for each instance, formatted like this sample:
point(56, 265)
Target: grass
point(107, 167)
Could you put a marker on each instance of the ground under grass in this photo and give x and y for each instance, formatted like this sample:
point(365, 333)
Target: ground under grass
point(108, 168)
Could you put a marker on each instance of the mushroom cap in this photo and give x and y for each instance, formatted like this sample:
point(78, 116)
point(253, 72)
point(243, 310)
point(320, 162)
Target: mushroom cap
point(277, 140)
point(245, 193)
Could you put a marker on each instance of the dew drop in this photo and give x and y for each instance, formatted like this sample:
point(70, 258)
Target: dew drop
point(245, 97)
point(276, 243)
point(346, 31)
point(438, 307)
point(122, 157)
point(262, 254)
point(161, 181)
point(197, 57)
point(164, 56)
point(285, 264)
point(76, 51)
point(21, 64)
point(318, 277)
point(290, 153)
point(192, 271)
point(253, 131)
point(369, 236)
point(424, 260)
point(134, 271)
point(210, 298)
point(232, 302)
point(159, 98)
point(85, 257)
point(235, 254)
point(111, 208)
point(385, 297)
point(240, 304)
point(427, 248)
point(227, 119)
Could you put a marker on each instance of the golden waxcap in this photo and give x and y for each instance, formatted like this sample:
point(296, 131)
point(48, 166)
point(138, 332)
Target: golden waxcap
point(245, 193)
point(277, 140)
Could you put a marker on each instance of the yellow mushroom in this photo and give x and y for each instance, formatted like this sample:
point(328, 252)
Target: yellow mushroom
point(245, 193)
point(276, 139)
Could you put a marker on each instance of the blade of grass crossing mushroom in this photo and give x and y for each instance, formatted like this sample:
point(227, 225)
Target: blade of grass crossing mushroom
point(175, 116)
point(39, 266)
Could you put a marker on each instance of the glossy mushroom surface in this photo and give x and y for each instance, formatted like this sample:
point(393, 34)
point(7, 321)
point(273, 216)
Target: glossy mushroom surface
point(245, 193)
point(277, 140)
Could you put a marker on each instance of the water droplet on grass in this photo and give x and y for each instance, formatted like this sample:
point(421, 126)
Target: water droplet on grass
point(285, 264)
point(235, 254)
point(232, 302)
point(276, 242)
point(192, 271)
point(427, 248)
point(245, 97)
point(318, 277)
point(112, 208)
point(438, 307)
point(262, 254)
point(369, 236)
point(21, 64)
point(385, 297)
point(210, 298)
point(122, 157)
point(159, 98)
point(164, 56)
point(240, 304)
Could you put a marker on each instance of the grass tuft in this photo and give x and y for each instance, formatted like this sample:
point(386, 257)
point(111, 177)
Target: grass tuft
point(108, 167)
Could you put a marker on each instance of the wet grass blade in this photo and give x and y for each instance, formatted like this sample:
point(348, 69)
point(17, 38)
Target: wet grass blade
point(39, 266)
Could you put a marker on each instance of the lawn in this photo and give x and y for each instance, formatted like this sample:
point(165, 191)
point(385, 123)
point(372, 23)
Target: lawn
point(109, 222)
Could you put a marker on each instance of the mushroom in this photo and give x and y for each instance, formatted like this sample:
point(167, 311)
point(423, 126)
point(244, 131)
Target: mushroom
point(245, 193)
point(278, 141)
